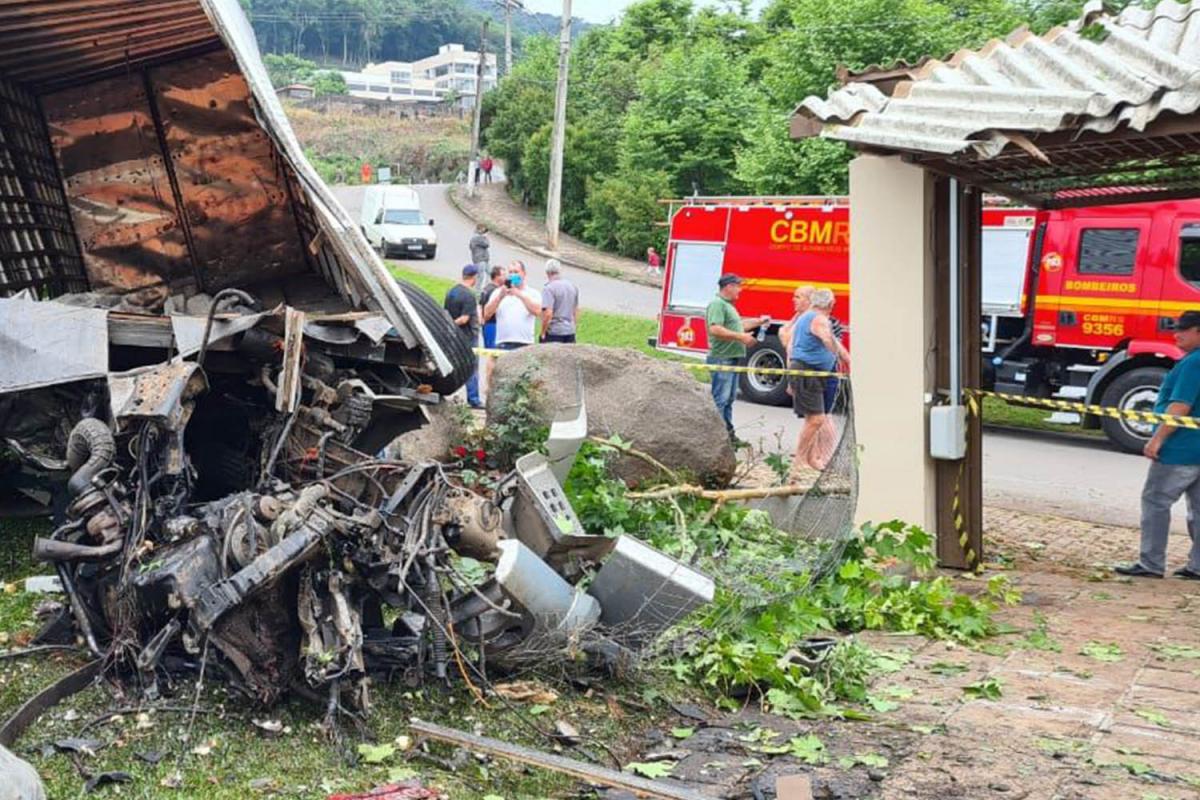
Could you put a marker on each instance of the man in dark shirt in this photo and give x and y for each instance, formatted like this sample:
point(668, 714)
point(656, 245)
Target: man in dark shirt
point(463, 308)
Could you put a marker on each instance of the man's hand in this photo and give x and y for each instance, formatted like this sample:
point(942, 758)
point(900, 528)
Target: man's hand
point(746, 339)
point(1152, 448)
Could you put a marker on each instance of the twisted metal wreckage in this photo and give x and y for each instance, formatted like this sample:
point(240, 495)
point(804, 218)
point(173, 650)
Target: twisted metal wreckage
point(202, 365)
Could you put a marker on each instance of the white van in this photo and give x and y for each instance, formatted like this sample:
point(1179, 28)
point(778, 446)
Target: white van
point(392, 221)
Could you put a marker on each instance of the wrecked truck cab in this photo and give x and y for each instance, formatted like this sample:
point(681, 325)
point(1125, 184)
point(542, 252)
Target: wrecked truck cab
point(203, 368)
point(156, 205)
point(151, 166)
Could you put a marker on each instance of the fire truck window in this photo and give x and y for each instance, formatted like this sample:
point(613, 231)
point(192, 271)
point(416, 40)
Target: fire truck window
point(1107, 251)
point(695, 270)
point(1189, 254)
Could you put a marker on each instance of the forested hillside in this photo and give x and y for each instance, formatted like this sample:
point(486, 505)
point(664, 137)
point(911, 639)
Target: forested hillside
point(353, 32)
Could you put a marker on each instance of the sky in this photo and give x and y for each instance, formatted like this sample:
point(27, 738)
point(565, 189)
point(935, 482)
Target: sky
point(601, 10)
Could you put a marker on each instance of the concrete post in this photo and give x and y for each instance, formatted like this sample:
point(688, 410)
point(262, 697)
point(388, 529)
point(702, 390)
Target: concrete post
point(892, 316)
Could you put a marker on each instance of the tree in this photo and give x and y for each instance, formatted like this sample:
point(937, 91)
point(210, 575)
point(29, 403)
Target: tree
point(772, 163)
point(675, 99)
point(804, 43)
point(288, 69)
point(354, 32)
point(688, 121)
point(329, 81)
point(516, 109)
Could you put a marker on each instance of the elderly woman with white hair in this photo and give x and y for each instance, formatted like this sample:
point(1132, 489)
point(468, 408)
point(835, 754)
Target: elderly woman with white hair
point(814, 348)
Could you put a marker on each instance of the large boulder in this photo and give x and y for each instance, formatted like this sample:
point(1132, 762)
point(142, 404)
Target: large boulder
point(658, 407)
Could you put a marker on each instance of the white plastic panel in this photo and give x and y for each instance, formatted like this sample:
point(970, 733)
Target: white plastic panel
point(1005, 252)
point(695, 271)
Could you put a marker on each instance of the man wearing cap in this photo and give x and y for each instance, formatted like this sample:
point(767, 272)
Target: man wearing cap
point(463, 308)
point(727, 341)
point(1175, 462)
point(560, 306)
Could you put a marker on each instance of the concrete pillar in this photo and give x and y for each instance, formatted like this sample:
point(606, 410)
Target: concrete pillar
point(892, 335)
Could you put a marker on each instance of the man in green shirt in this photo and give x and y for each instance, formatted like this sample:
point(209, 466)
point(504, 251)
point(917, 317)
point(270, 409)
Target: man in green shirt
point(727, 341)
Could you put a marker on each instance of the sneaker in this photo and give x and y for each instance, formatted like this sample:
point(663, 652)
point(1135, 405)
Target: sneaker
point(1186, 574)
point(1135, 571)
point(737, 443)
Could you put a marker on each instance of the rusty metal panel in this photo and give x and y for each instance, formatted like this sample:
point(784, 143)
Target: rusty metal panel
point(231, 184)
point(119, 190)
point(48, 44)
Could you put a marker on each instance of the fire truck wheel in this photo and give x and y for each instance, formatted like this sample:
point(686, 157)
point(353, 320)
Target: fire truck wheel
point(769, 390)
point(1136, 390)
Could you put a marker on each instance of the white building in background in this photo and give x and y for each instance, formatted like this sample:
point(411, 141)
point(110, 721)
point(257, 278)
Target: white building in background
point(426, 80)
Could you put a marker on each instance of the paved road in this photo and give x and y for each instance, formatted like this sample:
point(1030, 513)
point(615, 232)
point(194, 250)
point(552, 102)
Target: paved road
point(1034, 472)
point(1042, 472)
point(454, 230)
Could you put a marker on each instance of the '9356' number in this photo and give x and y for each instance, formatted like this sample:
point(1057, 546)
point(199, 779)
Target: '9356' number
point(1104, 328)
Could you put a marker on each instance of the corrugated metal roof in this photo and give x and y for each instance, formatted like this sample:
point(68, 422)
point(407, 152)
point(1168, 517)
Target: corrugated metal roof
point(1144, 63)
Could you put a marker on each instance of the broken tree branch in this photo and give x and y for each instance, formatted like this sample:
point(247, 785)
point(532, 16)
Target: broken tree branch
point(577, 769)
point(720, 495)
point(629, 451)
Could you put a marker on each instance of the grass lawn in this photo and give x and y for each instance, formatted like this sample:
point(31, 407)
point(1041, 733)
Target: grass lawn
point(621, 330)
point(595, 327)
point(999, 412)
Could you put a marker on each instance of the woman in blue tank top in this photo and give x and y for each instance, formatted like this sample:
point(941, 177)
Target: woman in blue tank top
point(814, 348)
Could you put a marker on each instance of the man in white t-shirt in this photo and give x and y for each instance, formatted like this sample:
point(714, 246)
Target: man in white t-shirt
point(516, 308)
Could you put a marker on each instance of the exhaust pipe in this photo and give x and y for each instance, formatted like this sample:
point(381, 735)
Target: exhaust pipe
point(56, 550)
point(90, 449)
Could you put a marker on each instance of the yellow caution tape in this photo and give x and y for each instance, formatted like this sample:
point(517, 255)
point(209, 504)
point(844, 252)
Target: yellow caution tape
point(1085, 408)
point(973, 396)
point(795, 373)
point(960, 523)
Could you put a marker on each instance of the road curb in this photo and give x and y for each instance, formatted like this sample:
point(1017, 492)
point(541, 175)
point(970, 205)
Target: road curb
point(452, 197)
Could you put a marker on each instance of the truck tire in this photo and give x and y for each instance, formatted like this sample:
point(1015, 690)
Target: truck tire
point(445, 332)
point(1135, 390)
point(767, 390)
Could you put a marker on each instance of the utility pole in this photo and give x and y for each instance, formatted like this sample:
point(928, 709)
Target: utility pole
point(471, 165)
point(509, 5)
point(554, 192)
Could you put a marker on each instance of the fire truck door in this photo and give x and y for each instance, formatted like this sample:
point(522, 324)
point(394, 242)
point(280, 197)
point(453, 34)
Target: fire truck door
point(1181, 271)
point(1106, 279)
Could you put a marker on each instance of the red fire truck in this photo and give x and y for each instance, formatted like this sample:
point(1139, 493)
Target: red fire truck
point(1077, 303)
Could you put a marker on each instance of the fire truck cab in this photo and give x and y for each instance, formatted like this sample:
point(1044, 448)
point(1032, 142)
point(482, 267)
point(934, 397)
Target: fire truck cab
point(1078, 304)
point(1106, 284)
